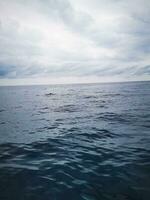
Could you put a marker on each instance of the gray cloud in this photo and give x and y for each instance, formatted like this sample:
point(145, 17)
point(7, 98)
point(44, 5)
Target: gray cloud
point(82, 38)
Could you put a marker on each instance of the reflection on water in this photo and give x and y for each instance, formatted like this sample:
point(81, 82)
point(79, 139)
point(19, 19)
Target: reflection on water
point(78, 142)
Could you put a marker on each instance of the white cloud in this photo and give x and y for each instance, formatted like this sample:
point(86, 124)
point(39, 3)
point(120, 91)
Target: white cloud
point(74, 40)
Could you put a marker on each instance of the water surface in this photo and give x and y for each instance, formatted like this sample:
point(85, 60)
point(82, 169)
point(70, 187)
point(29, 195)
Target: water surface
point(76, 142)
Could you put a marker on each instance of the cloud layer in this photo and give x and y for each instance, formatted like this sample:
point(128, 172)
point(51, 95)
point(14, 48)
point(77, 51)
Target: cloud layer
point(74, 41)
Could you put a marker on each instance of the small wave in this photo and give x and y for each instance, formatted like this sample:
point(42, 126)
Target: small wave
point(49, 94)
point(99, 134)
point(45, 108)
point(111, 95)
point(90, 97)
point(2, 122)
point(2, 110)
point(113, 117)
point(66, 108)
point(44, 111)
point(45, 128)
point(102, 133)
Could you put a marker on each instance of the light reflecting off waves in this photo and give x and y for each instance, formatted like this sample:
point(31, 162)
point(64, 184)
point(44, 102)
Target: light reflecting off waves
point(78, 142)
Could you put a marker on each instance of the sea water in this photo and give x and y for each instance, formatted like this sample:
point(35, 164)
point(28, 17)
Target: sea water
point(75, 142)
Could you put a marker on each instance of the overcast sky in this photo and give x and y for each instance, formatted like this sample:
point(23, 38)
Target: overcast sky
point(65, 41)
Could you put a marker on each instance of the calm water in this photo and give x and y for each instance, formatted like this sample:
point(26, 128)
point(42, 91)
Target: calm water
point(76, 142)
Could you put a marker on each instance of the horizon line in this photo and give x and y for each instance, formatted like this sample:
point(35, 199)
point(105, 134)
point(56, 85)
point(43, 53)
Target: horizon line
point(73, 83)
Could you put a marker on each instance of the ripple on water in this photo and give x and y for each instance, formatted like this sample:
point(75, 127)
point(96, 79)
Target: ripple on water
point(90, 142)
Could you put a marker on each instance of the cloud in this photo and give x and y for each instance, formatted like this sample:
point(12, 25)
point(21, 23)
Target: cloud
point(67, 38)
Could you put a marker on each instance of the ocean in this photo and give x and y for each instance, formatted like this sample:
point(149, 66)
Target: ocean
point(75, 142)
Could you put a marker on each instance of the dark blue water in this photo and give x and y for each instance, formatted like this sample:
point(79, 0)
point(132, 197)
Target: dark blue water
point(76, 142)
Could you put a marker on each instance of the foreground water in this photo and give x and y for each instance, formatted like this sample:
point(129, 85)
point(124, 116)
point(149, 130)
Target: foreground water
point(76, 142)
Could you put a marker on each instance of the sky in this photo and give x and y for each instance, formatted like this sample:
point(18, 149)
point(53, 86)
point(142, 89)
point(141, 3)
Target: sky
point(74, 41)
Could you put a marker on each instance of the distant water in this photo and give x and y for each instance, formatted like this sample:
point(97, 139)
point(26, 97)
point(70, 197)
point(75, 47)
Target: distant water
point(75, 142)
